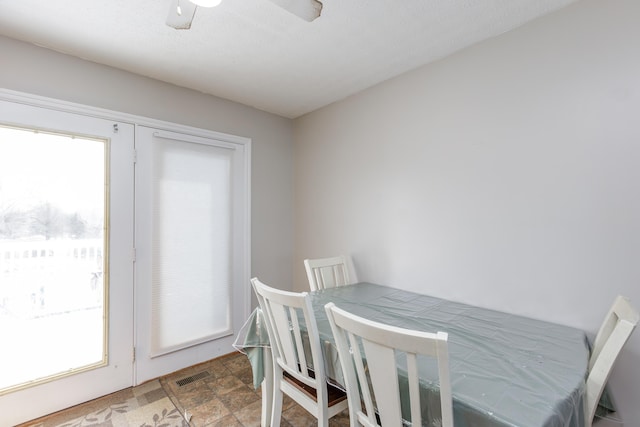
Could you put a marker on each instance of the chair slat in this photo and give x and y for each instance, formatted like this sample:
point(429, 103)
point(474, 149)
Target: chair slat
point(362, 378)
point(414, 389)
point(302, 359)
point(381, 362)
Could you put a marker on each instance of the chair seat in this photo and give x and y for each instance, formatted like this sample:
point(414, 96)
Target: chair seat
point(335, 394)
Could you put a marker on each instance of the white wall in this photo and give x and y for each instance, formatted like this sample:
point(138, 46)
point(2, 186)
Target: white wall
point(38, 71)
point(507, 176)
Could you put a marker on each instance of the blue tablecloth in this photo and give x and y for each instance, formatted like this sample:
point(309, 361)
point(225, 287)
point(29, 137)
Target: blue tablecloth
point(506, 370)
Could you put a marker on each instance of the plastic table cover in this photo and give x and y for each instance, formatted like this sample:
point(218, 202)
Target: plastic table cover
point(506, 370)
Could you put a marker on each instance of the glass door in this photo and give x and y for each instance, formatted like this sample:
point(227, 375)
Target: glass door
point(66, 267)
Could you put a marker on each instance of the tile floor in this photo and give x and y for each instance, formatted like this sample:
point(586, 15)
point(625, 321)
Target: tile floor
point(217, 393)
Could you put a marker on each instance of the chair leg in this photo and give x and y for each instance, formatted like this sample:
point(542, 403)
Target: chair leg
point(353, 417)
point(323, 417)
point(276, 409)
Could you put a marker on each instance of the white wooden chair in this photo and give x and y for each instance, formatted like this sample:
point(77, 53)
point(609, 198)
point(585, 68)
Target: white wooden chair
point(299, 375)
point(376, 385)
point(612, 336)
point(327, 272)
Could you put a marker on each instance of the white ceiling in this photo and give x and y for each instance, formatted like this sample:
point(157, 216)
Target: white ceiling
point(258, 54)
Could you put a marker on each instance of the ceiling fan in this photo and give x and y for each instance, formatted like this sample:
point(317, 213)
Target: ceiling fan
point(181, 12)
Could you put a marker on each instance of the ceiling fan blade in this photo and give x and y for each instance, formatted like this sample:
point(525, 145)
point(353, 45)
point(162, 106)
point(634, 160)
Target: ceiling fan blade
point(182, 20)
point(305, 9)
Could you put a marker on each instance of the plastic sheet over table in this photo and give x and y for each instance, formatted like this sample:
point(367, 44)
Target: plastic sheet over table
point(251, 341)
point(506, 370)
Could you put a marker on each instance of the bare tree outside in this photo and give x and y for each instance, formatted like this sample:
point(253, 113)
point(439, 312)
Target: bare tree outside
point(44, 221)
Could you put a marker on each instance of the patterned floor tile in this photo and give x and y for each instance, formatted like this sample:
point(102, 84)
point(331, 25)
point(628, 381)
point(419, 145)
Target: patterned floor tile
point(217, 393)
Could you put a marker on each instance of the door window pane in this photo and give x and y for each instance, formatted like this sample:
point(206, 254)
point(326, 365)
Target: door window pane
point(191, 289)
point(52, 255)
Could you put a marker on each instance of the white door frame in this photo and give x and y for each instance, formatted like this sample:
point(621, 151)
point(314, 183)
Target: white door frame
point(150, 366)
point(38, 400)
point(42, 404)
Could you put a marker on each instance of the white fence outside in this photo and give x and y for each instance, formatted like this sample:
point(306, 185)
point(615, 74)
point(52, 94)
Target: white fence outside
point(47, 277)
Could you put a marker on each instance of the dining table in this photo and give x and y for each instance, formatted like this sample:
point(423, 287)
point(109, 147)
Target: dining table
point(506, 370)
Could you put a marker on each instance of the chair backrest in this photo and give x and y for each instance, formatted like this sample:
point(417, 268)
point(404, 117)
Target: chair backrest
point(361, 343)
point(616, 329)
point(282, 312)
point(327, 272)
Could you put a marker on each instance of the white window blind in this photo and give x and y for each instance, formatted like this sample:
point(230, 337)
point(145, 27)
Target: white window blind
point(191, 244)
